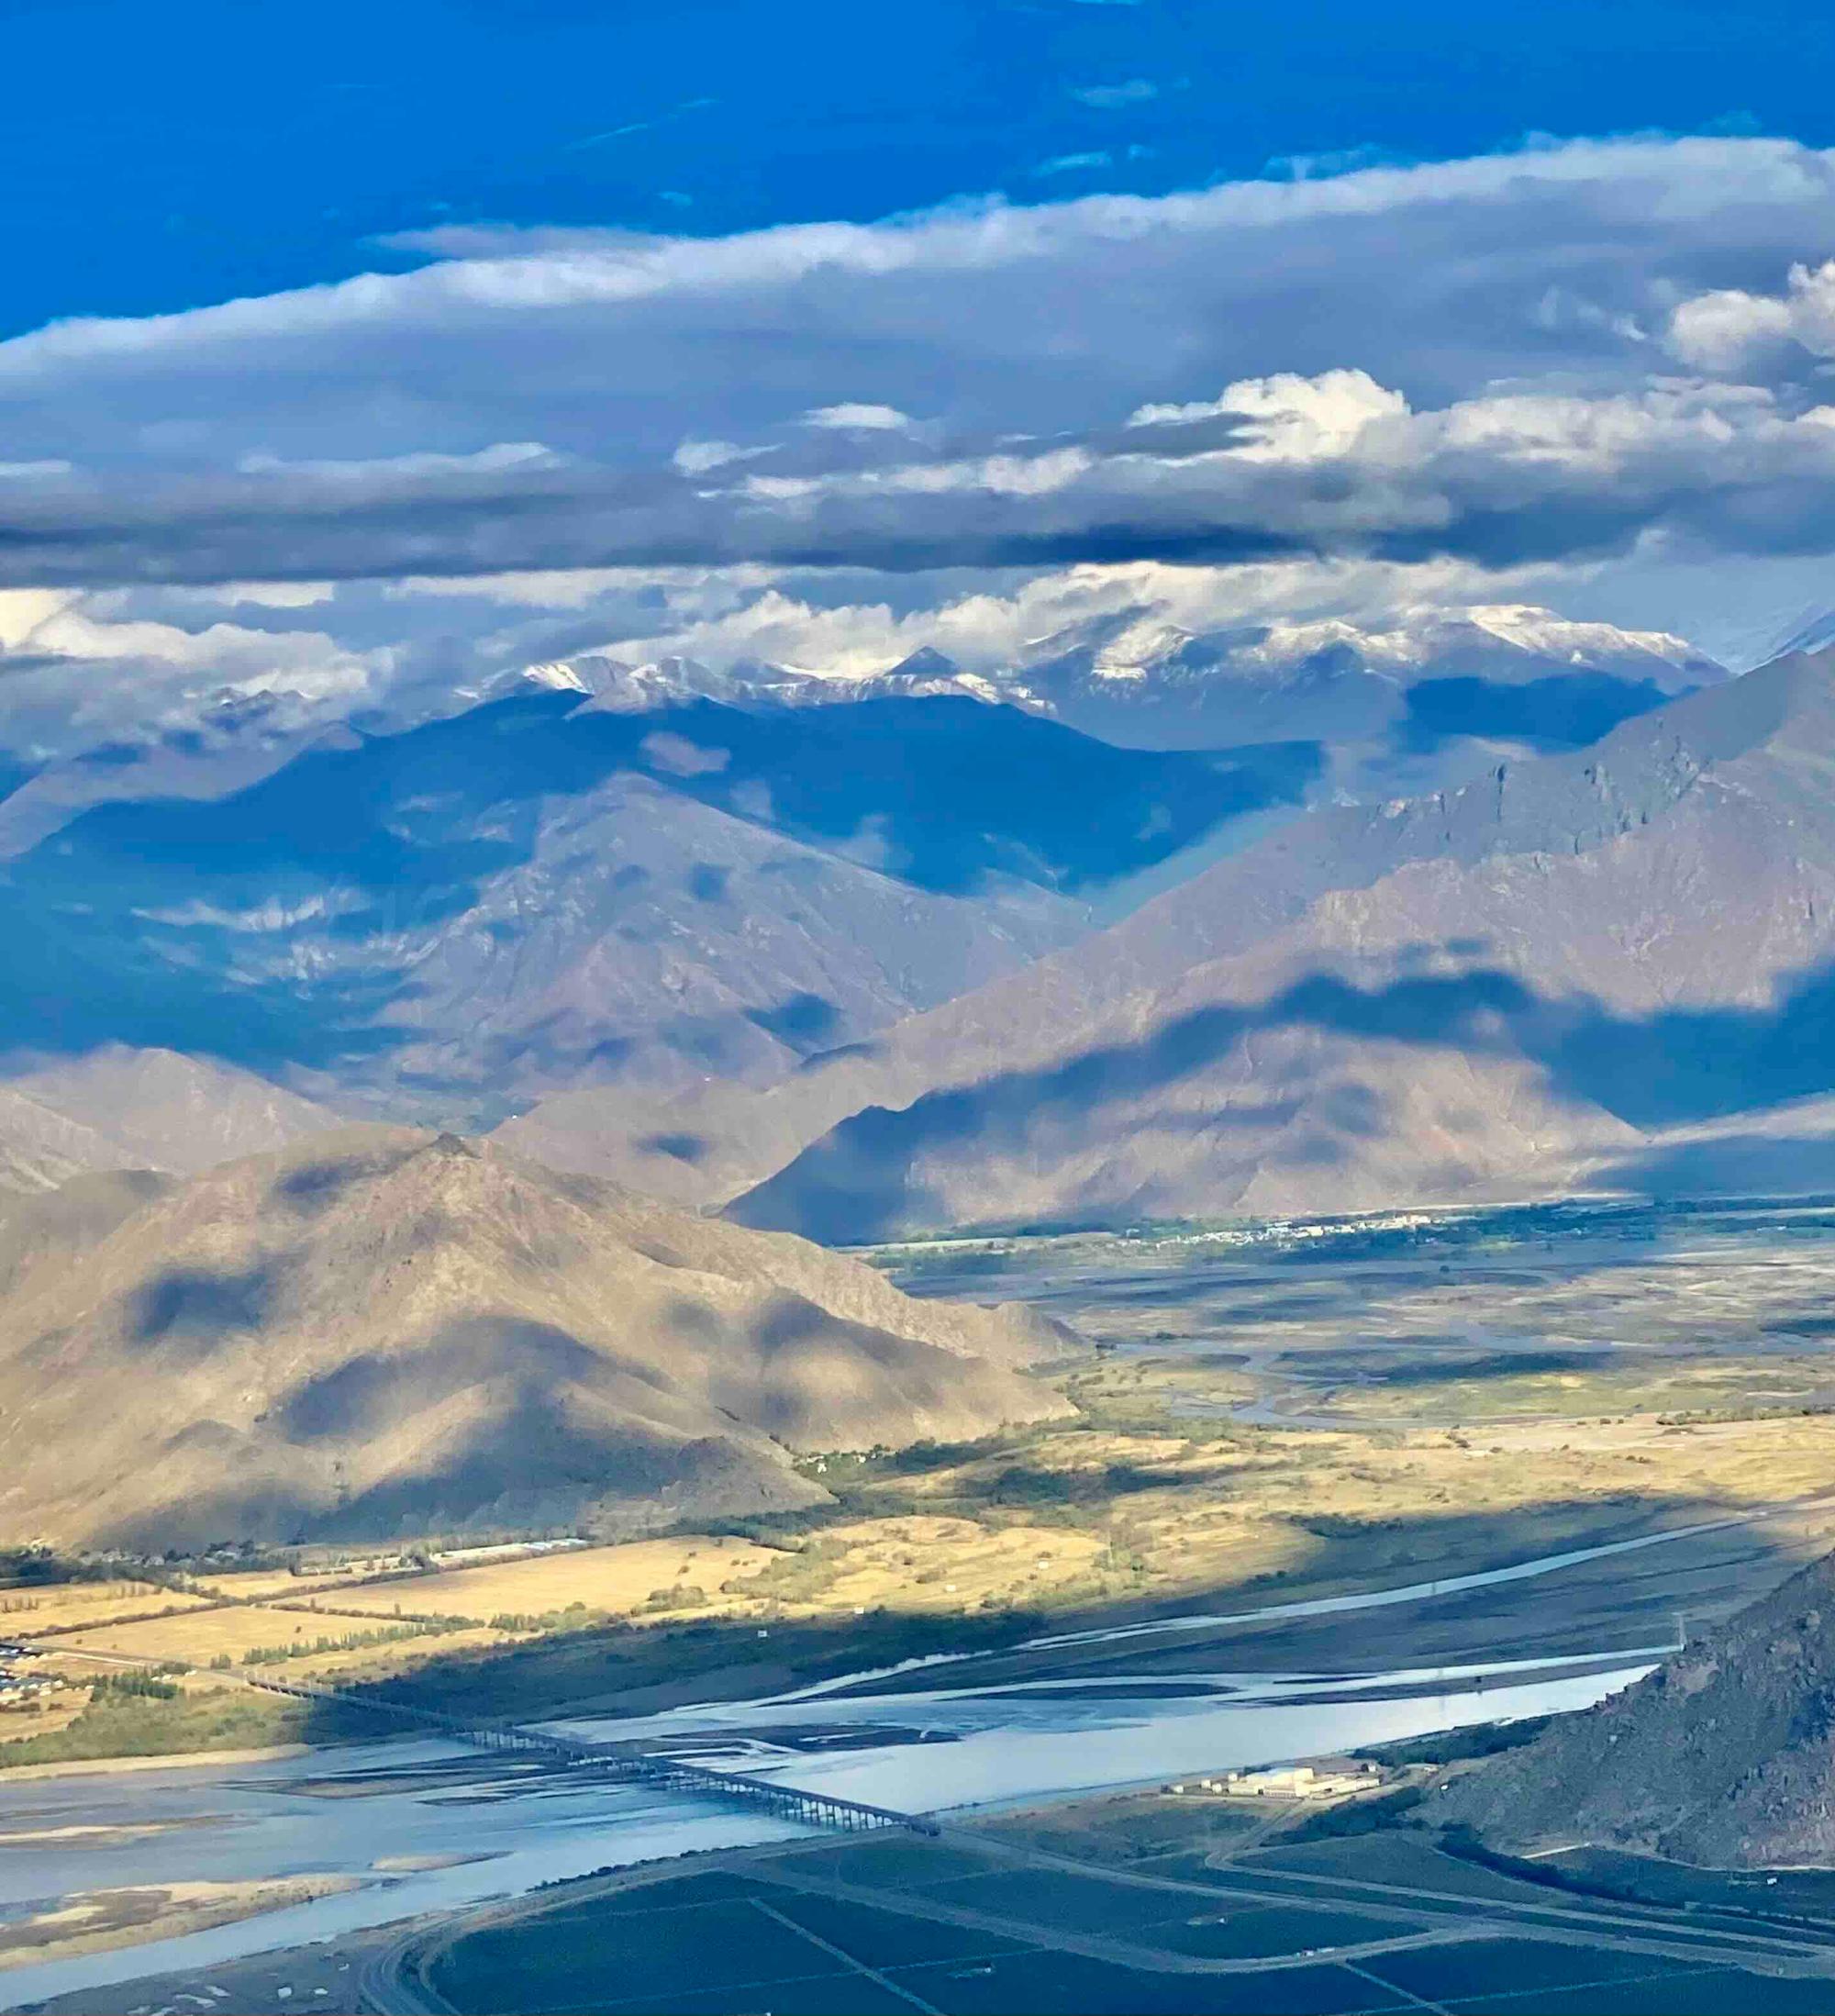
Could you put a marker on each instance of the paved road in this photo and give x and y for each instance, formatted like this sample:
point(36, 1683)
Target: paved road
point(393, 1982)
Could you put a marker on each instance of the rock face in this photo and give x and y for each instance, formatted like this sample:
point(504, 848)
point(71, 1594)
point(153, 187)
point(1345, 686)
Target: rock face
point(1724, 1755)
point(386, 1333)
point(1599, 967)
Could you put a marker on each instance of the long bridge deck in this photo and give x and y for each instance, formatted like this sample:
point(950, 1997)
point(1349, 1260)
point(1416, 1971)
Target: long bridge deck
point(625, 1767)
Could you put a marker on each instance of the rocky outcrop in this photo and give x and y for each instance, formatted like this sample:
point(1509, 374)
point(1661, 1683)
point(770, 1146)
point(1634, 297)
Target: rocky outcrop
point(1724, 1755)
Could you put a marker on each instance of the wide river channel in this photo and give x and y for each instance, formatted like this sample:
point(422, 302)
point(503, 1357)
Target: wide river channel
point(428, 1826)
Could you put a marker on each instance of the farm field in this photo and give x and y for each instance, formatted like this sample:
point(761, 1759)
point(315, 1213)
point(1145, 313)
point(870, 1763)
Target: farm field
point(27, 1608)
point(616, 1580)
point(279, 1640)
point(1148, 1916)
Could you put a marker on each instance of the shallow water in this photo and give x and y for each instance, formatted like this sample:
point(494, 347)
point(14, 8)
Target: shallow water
point(1040, 1738)
point(986, 1746)
point(925, 1736)
point(249, 1822)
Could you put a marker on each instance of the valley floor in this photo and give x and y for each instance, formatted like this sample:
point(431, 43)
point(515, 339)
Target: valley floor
point(1327, 1485)
point(1132, 1904)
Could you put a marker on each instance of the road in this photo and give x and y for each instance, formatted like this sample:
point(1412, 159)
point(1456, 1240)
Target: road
point(1403, 1917)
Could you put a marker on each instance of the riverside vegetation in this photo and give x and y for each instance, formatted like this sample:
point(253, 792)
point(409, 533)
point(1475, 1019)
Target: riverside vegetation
point(1149, 1495)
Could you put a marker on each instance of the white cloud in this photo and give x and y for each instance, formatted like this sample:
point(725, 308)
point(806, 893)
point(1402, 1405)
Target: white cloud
point(1071, 164)
point(265, 594)
point(852, 417)
point(1722, 329)
point(697, 458)
point(1287, 417)
point(23, 610)
point(498, 456)
point(720, 620)
point(1416, 361)
point(82, 631)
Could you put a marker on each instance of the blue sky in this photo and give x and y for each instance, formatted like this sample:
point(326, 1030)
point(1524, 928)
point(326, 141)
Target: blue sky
point(161, 156)
point(352, 355)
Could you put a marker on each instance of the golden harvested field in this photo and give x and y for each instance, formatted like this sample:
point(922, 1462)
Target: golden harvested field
point(27, 1610)
point(199, 1638)
point(1155, 1514)
point(949, 1564)
point(40, 1718)
point(614, 1579)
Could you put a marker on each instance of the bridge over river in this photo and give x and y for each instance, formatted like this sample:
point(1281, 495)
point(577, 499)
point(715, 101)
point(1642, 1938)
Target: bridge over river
point(623, 1765)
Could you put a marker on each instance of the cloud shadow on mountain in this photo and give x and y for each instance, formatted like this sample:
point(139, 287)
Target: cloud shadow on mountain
point(1676, 1066)
point(188, 1310)
point(1565, 710)
point(281, 925)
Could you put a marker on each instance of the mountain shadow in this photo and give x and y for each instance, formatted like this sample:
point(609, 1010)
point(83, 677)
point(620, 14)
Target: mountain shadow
point(288, 924)
point(877, 1173)
point(1591, 1609)
point(1568, 711)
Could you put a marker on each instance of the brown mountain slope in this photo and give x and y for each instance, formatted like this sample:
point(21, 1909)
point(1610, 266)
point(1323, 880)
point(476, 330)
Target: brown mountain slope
point(384, 1331)
point(1724, 1755)
point(117, 1107)
point(1551, 977)
point(40, 1148)
point(49, 1228)
point(1611, 966)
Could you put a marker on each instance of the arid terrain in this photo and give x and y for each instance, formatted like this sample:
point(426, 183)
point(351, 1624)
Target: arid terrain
point(1274, 1414)
point(387, 1334)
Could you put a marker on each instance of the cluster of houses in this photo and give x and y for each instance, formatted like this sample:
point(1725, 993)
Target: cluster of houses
point(16, 1685)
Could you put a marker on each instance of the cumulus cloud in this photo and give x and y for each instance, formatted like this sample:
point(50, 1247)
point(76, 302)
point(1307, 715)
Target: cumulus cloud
point(80, 668)
point(93, 628)
point(1287, 417)
point(1723, 329)
point(1395, 364)
point(852, 416)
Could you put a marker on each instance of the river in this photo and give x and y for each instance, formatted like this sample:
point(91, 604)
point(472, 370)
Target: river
point(937, 1738)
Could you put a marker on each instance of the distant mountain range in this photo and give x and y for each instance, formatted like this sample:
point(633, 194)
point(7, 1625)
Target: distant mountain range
point(539, 891)
point(858, 957)
point(1511, 674)
point(852, 966)
point(118, 1108)
point(1613, 967)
